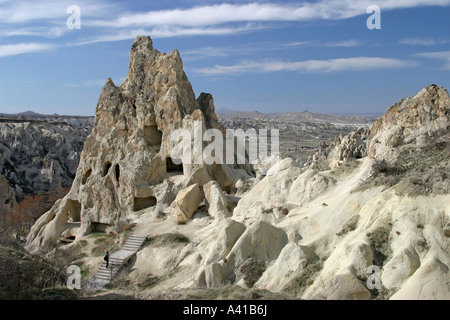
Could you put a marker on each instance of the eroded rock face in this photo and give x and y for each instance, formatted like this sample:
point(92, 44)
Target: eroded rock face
point(350, 147)
point(129, 152)
point(285, 187)
point(259, 244)
point(415, 121)
point(7, 196)
point(38, 156)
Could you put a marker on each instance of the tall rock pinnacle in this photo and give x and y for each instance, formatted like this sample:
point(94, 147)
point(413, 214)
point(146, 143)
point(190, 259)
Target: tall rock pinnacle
point(126, 162)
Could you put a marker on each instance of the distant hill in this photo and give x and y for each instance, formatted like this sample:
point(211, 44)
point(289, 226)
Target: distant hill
point(222, 113)
point(78, 121)
point(303, 116)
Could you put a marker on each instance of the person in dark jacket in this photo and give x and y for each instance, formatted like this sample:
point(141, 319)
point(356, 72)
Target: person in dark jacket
point(106, 258)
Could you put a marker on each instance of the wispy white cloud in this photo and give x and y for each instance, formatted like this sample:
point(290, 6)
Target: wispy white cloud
point(344, 43)
point(44, 32)
point(227, 18)
point(422, 41)
point(26, 11)
point(236, 50)
point(109, 22)
point(262, 12)
point(252, 48)
point(309, 66)
point(439, 55)
point(170, 32)
point(8, 50)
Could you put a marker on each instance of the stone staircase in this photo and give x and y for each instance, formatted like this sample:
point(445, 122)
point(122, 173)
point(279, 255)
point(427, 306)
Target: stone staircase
point(116, 260)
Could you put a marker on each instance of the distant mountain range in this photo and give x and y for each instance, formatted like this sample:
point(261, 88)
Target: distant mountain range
point(303, 116)
point(222, 113)
point(32, 114)
point(79, 121)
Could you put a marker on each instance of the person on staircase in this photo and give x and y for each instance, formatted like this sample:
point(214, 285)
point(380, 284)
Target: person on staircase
point(106, 258)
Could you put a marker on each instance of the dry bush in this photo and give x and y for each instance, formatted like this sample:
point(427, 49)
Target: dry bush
point(24, 214)
point(26, 276)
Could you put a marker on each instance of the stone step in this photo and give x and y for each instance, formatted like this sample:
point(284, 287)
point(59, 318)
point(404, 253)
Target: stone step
point(136, 243)
point(107, 278)
point(132, 247)
point(113, 264)
point(107, 272)
point(136, 238)
point(104, 270)
point(105, 275)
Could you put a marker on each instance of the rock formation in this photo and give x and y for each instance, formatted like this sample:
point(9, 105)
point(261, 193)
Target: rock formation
point(350, 147)
point(414, 122)
point(128, 154)
point(37, 156)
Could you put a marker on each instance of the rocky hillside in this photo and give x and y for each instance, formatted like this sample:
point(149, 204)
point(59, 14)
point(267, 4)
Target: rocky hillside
point(345, 231)
point(38, 155)
point(75, 121)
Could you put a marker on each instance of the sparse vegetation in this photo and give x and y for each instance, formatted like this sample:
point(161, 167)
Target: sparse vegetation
point(19, 220)
point(321, 165)
point(380, 244)
point(346, 168)
point(307, 277)
point(166, 239)
point(105, 242)
point(415, 172)
point(350, 225)
point(251, 270)
point(26, 276)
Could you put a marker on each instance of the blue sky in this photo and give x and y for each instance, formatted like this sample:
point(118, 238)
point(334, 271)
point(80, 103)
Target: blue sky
point(271, 56)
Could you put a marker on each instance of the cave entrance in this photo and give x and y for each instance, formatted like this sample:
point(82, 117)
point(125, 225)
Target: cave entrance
point(142, 203)
point(97, 227)
point(153, 136)
point(106, 168)
point(86, 176)
point(173, 167)
point(73, 210)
